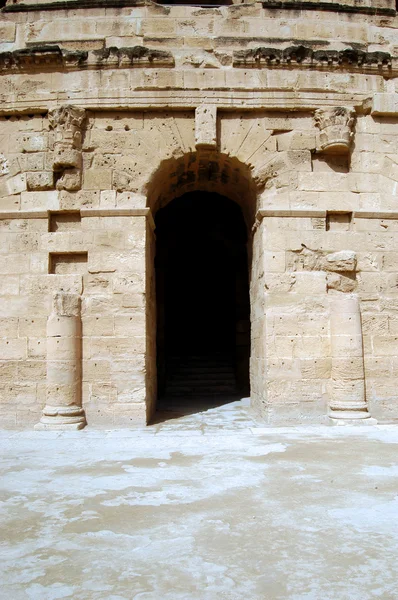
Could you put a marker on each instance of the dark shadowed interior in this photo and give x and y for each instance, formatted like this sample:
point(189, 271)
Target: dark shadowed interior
point(203, 308)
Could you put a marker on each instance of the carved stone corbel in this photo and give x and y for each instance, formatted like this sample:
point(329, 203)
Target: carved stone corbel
point(67, 122)
point(335, 127)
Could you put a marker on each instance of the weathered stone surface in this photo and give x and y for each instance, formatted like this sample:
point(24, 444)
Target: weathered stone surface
point(108, 114)
point(305, 56)
point(348, 400)
point(342, 261)
point(66, 305)
point(67, 123)
point(63, 408)
point(335, 281)
point(206, 126)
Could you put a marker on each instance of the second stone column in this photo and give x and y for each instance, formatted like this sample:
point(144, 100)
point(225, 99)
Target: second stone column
point(63, 409)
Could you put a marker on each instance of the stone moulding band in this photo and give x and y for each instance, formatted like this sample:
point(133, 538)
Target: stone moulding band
point(85, 212)
point(172, 99)
point(263, 213)
point(23, 214)
point(119, 212)
point(146, 212)
point(313, 213)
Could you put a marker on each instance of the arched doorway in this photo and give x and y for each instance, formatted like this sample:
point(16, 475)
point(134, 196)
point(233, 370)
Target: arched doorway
point(203, 305)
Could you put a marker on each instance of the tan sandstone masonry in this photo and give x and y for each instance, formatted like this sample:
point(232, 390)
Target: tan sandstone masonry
point(63, 409)
point(110, 112)
point(348, 389)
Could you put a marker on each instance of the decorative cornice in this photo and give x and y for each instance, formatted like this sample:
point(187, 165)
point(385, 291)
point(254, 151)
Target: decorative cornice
point(306, 57)
point(47, 57)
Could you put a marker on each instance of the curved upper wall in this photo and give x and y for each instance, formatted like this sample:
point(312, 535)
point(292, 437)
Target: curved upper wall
point(86, 24)
point(254, 55)
point(218, 31)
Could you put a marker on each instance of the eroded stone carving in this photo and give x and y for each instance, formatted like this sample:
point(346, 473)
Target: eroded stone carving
point(308, 259)
point(343, 261)
point(135, 56)
point(340, 266)
point(63, 409)
point(67, 122)
point(4, 168)
point(206, 126)
point(335, 129)
point(340, 282)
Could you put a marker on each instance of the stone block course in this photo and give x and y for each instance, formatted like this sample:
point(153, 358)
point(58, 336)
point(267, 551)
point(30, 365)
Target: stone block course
point(236, 101)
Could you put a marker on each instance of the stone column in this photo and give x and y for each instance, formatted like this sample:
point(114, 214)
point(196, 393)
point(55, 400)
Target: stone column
point(348, 399)
point(63, 409)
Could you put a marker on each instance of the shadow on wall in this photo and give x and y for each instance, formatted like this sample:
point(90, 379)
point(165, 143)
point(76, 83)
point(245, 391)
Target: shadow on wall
point(203, 306)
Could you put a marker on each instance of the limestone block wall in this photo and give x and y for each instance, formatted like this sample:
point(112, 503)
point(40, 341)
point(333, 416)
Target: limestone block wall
point(99, 242)
point(108, 113)
point(299, 294)
point(112, 283)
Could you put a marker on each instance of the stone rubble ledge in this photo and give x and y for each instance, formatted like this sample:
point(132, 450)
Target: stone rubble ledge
point(49, 56)
point(305, 56)
point(372, 7)
point(368, 8)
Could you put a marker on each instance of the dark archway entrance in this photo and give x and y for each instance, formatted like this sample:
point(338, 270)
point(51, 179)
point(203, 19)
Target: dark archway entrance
point(203, 307)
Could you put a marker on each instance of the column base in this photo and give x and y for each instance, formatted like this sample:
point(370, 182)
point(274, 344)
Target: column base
point(59, 426)
point(350, 418)
point(353, 415)
point(65, 417)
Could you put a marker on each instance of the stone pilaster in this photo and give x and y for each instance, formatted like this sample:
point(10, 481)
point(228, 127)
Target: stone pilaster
point(63, 409)
point(348, 400)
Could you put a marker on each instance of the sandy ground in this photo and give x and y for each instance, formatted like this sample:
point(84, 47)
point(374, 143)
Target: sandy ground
point(210, 506)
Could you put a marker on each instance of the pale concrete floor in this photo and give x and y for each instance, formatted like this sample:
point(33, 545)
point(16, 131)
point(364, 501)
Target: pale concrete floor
point(206, 507)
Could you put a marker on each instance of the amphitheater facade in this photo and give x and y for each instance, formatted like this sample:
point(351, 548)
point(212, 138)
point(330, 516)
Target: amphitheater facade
point(198, 195)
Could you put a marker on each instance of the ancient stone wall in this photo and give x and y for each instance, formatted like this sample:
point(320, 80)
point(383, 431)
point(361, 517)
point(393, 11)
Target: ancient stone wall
point(110, 112)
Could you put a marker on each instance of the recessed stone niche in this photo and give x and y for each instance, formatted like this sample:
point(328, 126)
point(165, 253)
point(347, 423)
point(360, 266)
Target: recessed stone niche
point(68, 263)
point(64, 221)
point(338, 221)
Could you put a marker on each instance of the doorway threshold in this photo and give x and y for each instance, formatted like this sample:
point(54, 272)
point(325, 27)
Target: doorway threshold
point(202, 414)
